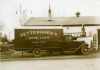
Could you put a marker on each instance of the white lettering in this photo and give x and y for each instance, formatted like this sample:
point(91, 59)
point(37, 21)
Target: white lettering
point(55, 34)
point(30, 32)
point(21, 35)
point(48, 32)
point(27, 33)
point(51, 33)
point(41, 32)
point(44, 37)
point(30, 37)
point(45, 32)
point(38, 32)
point(33, 37)
point(24, 34)
point(34, 32)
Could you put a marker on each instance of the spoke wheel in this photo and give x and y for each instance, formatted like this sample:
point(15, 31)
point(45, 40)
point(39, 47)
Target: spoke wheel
point(84, 50)
point(37, 52)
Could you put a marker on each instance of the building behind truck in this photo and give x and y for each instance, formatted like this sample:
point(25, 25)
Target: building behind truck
point(36, 40)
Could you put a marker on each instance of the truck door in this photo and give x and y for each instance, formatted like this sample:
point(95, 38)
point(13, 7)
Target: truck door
point(69, 44)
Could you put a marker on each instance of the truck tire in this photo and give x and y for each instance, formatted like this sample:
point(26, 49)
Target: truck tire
point(37, 52)
point(84, 50)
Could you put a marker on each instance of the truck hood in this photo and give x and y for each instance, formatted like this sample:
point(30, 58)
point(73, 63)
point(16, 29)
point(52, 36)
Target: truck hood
point(79, 41)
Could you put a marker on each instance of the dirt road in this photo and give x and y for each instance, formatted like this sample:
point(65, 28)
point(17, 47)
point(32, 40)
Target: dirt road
point(52, 64)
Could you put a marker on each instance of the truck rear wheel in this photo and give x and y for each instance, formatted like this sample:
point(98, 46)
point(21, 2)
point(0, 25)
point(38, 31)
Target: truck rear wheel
point(37, 52)
point(84, 50)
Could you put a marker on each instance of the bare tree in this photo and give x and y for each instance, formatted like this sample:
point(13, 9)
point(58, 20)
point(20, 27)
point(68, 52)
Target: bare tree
point(1, 26)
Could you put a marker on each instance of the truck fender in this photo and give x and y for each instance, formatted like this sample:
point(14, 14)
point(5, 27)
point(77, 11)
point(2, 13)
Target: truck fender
point(37, 46)
point(85, 44)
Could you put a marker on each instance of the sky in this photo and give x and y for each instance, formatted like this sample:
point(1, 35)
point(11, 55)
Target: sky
point(39, 8)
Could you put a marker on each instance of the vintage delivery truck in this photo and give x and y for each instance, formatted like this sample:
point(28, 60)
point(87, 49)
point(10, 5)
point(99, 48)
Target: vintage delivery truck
point(36, 40)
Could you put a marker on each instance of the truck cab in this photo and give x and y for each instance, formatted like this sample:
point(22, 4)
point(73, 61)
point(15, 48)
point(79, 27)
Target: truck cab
point(72, 44)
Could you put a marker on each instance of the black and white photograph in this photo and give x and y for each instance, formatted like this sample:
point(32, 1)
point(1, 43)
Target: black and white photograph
point(49, 34)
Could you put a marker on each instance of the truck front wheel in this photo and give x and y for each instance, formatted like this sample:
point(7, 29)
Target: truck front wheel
point(84, 50)
point(37, 52)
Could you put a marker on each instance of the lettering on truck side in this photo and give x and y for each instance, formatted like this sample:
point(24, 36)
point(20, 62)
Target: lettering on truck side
point(38, 32)
point(38, 37)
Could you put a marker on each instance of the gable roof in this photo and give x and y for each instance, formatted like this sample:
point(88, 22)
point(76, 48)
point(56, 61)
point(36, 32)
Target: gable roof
point(63, 21)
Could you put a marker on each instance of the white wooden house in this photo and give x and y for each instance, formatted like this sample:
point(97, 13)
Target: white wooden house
point(70, 25)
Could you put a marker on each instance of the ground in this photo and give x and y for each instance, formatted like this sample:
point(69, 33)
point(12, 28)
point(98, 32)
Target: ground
point(51, 62)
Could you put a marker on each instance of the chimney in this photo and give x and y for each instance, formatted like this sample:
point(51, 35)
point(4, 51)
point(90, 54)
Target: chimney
point(49, 13)
point(77, 14)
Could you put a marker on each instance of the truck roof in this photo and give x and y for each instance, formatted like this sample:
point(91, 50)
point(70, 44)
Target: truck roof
point(39, 27)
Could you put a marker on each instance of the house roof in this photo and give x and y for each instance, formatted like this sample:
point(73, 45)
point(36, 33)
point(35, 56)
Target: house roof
point(63, 21)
